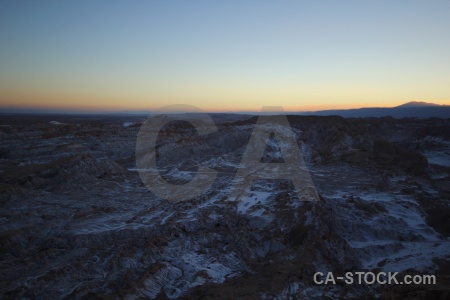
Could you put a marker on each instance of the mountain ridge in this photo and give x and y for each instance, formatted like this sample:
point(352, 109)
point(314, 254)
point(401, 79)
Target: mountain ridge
point(420, 104)
point(412, 109)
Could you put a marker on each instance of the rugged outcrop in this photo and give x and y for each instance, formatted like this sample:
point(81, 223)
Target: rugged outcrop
point(78, 223)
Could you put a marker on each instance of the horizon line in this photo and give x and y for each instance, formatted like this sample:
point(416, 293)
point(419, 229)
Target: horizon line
point(87, 111)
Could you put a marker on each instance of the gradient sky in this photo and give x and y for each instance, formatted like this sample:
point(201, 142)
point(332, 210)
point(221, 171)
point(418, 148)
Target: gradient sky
point(223, 56)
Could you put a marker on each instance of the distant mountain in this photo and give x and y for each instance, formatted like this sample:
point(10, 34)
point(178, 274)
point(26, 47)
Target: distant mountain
point(419, 104)
point(413, 109)
point(408, 110)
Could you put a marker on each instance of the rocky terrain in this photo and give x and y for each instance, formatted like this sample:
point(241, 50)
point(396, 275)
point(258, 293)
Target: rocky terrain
point(76, 221)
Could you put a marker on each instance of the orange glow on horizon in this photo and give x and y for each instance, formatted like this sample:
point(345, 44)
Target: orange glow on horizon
point(95, 102)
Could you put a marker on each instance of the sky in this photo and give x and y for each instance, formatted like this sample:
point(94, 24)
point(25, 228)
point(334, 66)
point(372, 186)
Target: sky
point(223, 55)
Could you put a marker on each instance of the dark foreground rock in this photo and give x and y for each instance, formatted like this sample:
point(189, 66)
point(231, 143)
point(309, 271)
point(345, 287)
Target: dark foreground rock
point(78, 223)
